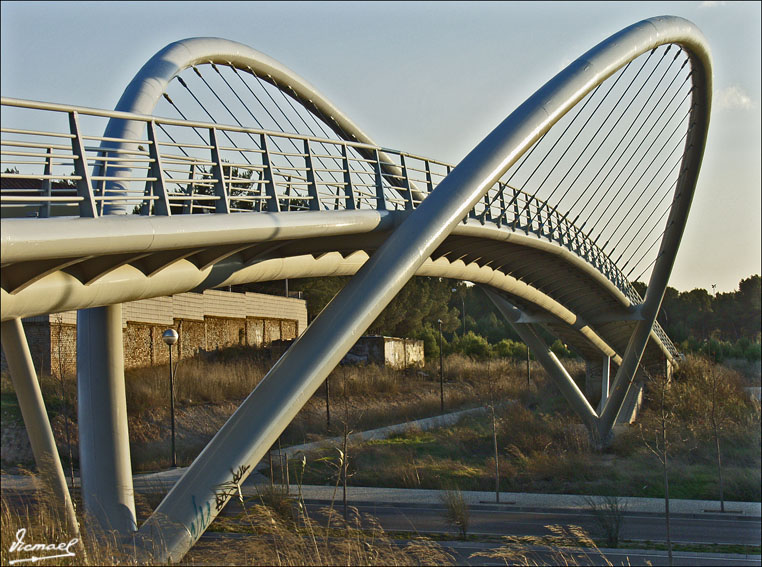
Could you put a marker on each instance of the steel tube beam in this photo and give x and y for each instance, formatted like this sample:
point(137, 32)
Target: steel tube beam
point(198, 497)
point(61, 237)
point(547, 358)
point(29, 395)
point(605, 370)
point(104, 450)
point(701, 68)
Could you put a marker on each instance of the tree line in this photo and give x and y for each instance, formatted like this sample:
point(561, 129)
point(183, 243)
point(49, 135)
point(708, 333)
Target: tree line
point(721, 325)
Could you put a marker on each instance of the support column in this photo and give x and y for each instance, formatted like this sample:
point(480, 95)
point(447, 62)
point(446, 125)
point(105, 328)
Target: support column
point(36, 420)
point(104, 449)
point(604, 383)
point(633, 400)
point(549, 362)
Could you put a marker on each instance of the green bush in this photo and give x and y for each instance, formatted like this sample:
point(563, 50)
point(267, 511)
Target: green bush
point(472, 345)
point(430, 337)
point(510, 349)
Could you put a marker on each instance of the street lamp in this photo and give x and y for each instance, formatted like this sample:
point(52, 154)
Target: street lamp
point(463, 302)
point(170, 337)
point(441, 373)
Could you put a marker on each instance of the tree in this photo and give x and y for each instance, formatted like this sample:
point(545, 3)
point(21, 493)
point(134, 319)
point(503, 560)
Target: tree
point(658, 440)
point(716, 390)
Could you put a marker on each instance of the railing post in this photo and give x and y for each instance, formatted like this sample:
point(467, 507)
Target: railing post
point(46, 185)
point(406, 184)
point(503, 217)
point(272, 197)
point(157, 170)
point(429, 182)
point(84, 187)
point(222, 204)
point(188, 204)
point(311, 185)
point(380, 198)
point(516, 216)
point(487, 215)
point(349, 191)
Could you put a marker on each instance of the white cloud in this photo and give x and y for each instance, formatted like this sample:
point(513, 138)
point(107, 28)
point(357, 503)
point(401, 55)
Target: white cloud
point(712, 3)
point(734, 98)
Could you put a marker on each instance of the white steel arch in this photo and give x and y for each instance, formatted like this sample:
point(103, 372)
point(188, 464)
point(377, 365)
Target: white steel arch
point(414, 242)
point(151, 82)
point(283, 391)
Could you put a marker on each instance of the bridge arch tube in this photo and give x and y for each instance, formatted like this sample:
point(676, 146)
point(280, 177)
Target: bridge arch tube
point(196, 498)
point(149, 84)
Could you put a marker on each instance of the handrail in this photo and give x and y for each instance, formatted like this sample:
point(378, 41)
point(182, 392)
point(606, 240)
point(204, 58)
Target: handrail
point(276, 189)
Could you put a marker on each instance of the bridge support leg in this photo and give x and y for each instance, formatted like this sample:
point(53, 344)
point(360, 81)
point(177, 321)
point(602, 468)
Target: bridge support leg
point(32, 406)
point(633, 400)
point(605, 369)
point(549, 362)
point(104, 449)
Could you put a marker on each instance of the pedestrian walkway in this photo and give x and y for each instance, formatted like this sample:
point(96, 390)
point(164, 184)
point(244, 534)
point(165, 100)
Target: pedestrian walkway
point(164, 480)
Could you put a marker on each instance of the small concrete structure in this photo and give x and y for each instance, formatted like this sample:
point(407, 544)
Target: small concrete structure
point(391, 352)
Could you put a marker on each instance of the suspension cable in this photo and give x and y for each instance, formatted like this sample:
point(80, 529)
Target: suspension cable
point(606, 119)
point(531, 198)
point(624, 184)
point(643, 209)
point(629, 160)
point(622, 139)
point(611, 217)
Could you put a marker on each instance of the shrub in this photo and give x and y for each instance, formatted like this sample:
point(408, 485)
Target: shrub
point(456, 512)
point(472, 345)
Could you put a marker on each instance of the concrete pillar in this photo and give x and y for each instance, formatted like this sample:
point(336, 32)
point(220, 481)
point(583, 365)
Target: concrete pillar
point(38, 428)
point(605, 369)
point(104, 449)
point(592, 380)
point(633, 400)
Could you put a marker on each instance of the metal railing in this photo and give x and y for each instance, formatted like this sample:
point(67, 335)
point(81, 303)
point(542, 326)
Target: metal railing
point(185, 167)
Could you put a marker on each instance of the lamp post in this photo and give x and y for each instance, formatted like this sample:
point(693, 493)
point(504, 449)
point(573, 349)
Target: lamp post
point(170, 337)
point(441, 373)
point(463, 303)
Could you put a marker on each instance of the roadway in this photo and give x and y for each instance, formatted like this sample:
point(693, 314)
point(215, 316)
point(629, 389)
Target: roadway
point(499, 520)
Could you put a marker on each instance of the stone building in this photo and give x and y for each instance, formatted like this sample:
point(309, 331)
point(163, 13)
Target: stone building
point(210, 320)
point(391, 352)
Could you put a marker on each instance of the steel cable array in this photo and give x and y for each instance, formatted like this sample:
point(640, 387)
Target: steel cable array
point(606, 159)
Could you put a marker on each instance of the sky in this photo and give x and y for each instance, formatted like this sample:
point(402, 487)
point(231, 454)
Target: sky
point(428, 78)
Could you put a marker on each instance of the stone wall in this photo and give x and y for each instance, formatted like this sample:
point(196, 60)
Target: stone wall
point(208, 321)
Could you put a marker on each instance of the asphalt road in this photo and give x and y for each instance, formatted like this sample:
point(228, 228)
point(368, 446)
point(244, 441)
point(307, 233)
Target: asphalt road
point(463, 555)
point(497, 521)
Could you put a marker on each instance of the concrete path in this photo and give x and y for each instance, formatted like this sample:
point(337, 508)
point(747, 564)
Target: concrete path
point(164, 480)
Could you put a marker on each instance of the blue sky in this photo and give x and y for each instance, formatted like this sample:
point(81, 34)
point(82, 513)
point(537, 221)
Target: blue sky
point(428, 78)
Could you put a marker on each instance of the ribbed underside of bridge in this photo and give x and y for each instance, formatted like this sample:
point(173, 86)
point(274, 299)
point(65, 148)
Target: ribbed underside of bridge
point(552, 286)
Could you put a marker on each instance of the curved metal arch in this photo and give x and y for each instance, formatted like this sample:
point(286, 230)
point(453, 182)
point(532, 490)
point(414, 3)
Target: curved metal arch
point(245, 438)
point(151, 81)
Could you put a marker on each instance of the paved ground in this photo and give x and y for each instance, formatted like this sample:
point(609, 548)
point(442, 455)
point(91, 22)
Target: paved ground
point(521, 513)
point(521, 501)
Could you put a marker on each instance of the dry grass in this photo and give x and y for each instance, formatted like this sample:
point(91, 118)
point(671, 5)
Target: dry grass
point(456, 512)
point(329, 539)
point(560, 548)
point(42, 525)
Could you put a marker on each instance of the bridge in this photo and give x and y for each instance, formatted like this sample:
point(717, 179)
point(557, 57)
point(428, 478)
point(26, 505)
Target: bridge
point(582, 190)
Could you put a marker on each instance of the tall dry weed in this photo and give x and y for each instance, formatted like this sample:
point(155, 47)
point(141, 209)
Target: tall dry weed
point(567, 545)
